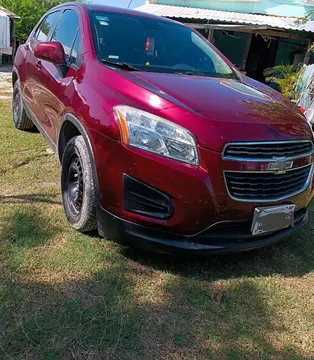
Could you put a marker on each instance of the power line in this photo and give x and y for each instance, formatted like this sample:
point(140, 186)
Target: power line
point(130, 3)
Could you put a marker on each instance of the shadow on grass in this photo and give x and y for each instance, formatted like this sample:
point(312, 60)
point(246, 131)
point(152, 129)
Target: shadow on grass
point(293, 256)
point(116, 309)
point(21, 163)
point(100, 319)
point(27, 229)
point(29, 198)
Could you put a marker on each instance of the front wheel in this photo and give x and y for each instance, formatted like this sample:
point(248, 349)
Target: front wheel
point(78, 188)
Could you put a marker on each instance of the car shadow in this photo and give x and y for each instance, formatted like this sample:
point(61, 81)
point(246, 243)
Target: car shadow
point(83, 299)
point(293, 256)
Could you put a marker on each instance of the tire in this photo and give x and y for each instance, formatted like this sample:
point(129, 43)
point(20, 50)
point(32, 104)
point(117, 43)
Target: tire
point(20, 119)
point(78, 187)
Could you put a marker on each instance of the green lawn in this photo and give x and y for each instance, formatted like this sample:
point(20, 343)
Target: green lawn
point(64, 295)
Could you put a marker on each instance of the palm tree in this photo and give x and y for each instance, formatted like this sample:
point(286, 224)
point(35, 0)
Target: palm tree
point(286, 77)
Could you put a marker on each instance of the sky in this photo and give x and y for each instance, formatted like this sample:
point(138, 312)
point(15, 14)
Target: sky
point(120, 3)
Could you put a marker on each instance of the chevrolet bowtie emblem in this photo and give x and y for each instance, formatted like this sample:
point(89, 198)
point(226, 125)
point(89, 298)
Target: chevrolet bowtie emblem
point(280, 165)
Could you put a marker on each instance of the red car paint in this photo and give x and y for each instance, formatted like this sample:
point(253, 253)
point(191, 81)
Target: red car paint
point(216, 111)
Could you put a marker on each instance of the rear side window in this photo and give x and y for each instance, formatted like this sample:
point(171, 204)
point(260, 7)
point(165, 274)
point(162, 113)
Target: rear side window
point(45, 27)
point(66, 32)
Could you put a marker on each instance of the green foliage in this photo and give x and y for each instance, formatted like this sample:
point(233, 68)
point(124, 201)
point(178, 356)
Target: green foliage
point(286, 78)
point(30, 11)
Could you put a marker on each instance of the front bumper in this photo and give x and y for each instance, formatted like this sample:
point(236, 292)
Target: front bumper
point(200, 215)
point(198, 194)
point(221, 238)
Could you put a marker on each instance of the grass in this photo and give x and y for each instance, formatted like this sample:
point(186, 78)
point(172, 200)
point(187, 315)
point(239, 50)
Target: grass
point(64, 295)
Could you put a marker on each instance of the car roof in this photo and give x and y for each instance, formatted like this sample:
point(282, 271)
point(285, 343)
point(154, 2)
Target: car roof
point(106, 8)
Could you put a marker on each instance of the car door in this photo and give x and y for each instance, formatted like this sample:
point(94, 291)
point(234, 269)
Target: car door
point(39, 34)
point(53, 84)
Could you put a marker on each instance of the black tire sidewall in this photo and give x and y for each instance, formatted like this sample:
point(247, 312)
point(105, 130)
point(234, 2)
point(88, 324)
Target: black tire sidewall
point(22, 122)
point(86, 219)
point(17, 89)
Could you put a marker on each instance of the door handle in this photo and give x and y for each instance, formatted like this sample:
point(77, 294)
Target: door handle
point(39, 65)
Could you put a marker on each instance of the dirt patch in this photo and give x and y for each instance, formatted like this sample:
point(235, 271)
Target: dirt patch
point(5, 85)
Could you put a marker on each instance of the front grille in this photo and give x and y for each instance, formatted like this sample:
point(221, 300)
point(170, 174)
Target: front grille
point(266, 186)
point(267, 151)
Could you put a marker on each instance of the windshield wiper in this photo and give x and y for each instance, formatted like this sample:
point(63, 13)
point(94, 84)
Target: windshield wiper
point(190, 72)
point(213, 75)
point(122, 65)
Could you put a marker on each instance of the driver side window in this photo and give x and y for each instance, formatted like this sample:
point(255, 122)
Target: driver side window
point(46, 26)
point(67, 33)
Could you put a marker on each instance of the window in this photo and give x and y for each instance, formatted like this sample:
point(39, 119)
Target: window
point(47, 24)
point(75, 57)
point(155, 45)
point(66, 31)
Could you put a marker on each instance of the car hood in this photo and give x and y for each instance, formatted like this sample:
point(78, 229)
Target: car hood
point(223, 105)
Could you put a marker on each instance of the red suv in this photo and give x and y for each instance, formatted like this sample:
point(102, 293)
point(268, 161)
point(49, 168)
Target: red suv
point(164, 145)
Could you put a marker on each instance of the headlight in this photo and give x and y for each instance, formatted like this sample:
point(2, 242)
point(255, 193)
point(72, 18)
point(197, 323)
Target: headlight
point(152, 133)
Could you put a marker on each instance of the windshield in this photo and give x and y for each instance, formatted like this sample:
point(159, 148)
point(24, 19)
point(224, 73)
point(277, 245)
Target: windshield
point(154, 45)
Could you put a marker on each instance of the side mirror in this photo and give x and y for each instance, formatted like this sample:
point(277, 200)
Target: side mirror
point(51, 51)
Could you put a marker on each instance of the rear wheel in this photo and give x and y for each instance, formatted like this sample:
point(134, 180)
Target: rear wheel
point(20, 119)
point(78, 188)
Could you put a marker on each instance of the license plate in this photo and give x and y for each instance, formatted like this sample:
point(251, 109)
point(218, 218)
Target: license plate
point(270, 219)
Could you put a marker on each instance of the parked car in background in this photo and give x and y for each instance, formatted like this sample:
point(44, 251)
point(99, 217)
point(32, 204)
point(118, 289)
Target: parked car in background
point(305, 89)
point(164, 145)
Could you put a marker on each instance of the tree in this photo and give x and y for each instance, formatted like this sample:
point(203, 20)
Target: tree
point(286, 77)
point(30, 11)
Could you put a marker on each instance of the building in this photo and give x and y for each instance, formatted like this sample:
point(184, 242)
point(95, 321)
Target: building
point(7, 35)
point(253, 34)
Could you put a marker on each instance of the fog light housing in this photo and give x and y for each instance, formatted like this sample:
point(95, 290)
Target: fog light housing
point(145, 200)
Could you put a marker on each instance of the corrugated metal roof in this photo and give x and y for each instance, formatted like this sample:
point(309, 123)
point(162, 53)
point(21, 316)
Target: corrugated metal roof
point(6, 12)
point(271, 21)
point(2, 13)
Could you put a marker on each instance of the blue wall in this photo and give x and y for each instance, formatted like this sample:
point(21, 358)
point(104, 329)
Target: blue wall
point(276, 7)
